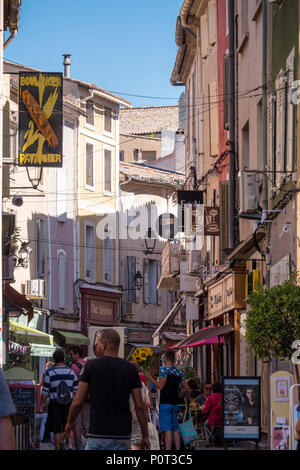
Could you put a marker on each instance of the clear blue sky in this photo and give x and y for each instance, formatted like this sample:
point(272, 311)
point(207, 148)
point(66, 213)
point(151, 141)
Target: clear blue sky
point(121, 45)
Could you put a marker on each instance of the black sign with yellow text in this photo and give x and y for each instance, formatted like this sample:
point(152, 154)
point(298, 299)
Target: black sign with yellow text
point(40, 119)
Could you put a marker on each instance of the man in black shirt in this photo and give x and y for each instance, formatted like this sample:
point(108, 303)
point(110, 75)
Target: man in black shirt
point(110, 381)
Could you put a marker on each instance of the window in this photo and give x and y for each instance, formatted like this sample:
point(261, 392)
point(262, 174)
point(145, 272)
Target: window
point(213, 120)
point(226, 98)
point(151, 275)
point(90, 252)
point(122, 156)
point(61, 259)
point(89, 165)
point(107, 171)
point(90, 113)
point(245, 145)
point(148, 155)
point(244, 19)
point(41, 245)
point(224, 204)
point(107, 247)
point(61, 194)
point(260, 135)
point(290, 113)
point(107, 120)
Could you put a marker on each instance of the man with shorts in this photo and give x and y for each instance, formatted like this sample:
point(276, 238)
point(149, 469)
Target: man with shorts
point(58, 412)
point(168, 383)
point(82, 419)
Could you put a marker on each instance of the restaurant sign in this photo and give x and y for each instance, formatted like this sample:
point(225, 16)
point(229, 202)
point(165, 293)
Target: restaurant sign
point(40, 119)
point(100, 310)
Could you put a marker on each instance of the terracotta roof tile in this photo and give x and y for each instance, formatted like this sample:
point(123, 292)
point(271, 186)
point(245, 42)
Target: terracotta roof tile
point(144, 173)
point(148, 120)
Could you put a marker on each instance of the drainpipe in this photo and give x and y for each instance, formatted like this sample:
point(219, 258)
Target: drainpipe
point(232, 169)
point(264, 99)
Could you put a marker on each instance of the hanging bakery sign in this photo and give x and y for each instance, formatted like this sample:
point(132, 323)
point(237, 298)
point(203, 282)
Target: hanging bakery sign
point(40, 119)
point(212, 221)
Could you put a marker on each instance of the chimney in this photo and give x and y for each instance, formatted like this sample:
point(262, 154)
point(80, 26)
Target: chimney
point(67, 63)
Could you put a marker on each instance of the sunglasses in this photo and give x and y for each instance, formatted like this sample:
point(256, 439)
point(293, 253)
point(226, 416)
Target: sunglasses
point(98, 332)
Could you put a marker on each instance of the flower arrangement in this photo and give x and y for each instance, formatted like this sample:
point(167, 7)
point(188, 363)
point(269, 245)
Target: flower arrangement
point(143, 356)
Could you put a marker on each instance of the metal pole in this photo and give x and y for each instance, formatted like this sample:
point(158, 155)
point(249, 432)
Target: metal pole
point(232, 170)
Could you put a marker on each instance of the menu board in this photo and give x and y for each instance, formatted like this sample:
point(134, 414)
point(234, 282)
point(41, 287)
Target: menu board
point(24, 399)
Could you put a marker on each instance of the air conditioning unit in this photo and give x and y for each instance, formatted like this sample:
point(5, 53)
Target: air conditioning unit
point(194, 261)
point(249, 193)
point(35, 288)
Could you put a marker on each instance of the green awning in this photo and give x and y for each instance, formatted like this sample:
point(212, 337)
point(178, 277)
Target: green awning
point(72, 337)
point(29, 335)
point(42, 350)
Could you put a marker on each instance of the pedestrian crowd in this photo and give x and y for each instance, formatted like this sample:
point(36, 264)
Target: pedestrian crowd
point(109, 401)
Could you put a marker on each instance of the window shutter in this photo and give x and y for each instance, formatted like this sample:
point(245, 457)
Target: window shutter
point(146, 281)
point(89, 165)
point(137, 292)
point(224, 218)
point(61, 280)
point(61, 194)
point(226, 100)
point(204, 36)
point(212, 21)
point(131, 270)
point(271, 133)
point(213, 120)
point(290, 66)
point(108, 257)
point(280, 126)
point(41, 244)
point(159, 292)
point(107, 170)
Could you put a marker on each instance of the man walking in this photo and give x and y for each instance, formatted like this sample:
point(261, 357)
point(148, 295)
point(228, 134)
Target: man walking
point(168, 383)
point(110, 381)
point(82, 419)
point(60, 384)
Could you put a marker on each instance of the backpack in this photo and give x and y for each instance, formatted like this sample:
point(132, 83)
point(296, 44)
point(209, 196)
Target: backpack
point(63, 392)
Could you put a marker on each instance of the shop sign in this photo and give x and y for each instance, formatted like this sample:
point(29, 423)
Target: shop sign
point(100, 310)
point(40, 119)
point(139, 336)
point(212, 221)
point(241, 408)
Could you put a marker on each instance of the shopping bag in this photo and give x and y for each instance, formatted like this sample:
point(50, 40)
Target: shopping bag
point(187, 430)
point(153, 434)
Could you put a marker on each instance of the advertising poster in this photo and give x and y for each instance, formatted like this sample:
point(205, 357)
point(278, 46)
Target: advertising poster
point(280, 437)
point(241, 408)
point(40, 119)
point(281, 386)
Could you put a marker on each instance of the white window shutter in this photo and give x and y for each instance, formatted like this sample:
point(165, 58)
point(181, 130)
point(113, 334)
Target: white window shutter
point(61, 280)
point(212, 22)
point(290, 66)
point(271, 130)
point(146, 281)
point(159, 292)
point(61, 192)
point(280, 123)
point(204, 36)
point(107, 246)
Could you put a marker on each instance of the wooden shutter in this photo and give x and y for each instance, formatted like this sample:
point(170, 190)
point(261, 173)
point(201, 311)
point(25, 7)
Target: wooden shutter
point(212, 22)
point(204, 36)
point(107, 170)
point(131, 270)
point(107, 119)
point(137, 268)
point(61, 280)
point(290, 66)
point(224, 219)
point(89, 165)
point(226, 100)
point(213, 120)
point(280, 125)
point(159, 292)
point(61, 194)
point(271, 133)
point(146, 281)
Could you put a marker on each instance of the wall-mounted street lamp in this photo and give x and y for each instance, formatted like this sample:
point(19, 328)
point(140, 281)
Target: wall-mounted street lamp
point(20, 250)
point(139, 279)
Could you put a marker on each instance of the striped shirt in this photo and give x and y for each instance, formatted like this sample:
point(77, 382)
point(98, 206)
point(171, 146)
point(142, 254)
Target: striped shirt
point(53, 376)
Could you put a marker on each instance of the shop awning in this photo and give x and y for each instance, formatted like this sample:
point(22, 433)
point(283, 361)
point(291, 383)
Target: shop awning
point(169, 318)
point(18, 300)
point(42, 350)
point(30, 335)
point(71, 337)
point(200, 337)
